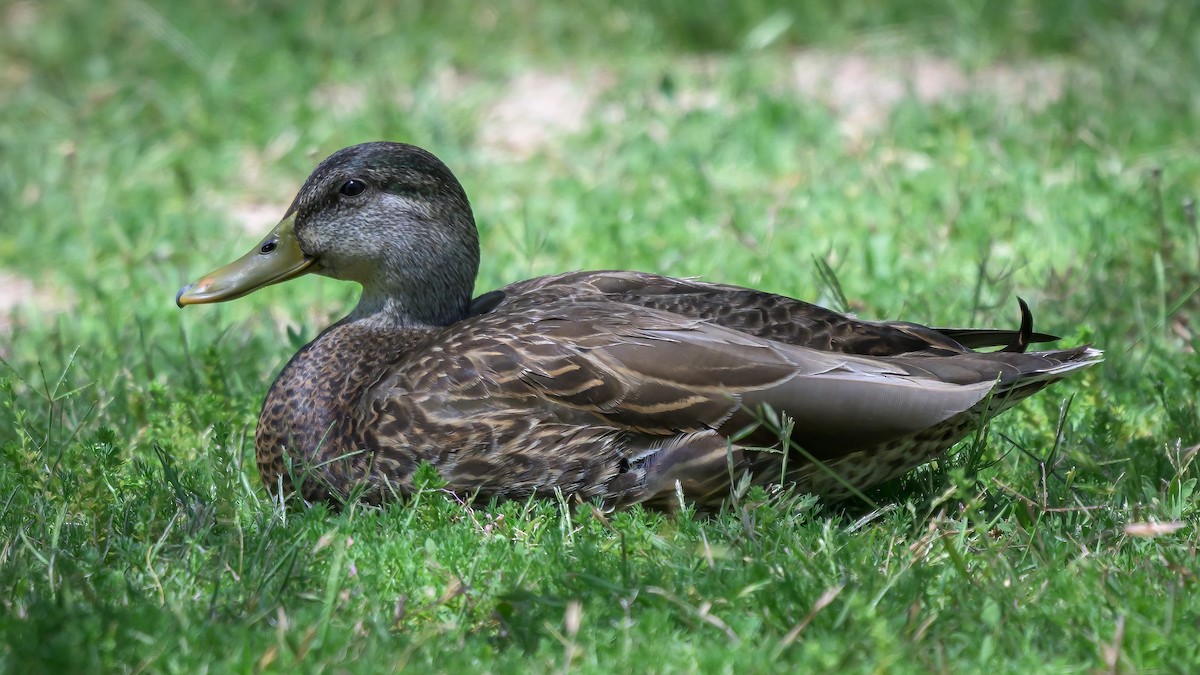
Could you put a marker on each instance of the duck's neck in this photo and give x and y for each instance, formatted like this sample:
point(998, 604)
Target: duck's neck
point(385, 308)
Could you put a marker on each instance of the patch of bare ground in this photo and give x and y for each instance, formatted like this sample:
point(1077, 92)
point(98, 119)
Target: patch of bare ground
point(863, 89)
point(538, 108)
point(18, 18)
point(263, 194)
point(339, 99)
point(256, 219)
point(14, 292)
point(532, 111)
point(18, 295)
point(21, 16)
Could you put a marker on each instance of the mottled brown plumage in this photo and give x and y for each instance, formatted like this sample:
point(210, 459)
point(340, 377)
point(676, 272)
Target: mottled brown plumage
point(616, 386)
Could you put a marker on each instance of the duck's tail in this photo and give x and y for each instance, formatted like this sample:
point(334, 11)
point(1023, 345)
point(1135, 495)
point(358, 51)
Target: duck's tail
point(1012, 340)
point(1055, 365)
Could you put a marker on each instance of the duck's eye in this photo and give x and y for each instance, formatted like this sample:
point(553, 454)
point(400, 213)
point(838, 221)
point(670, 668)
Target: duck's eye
point(353, 188)
point(268, 247)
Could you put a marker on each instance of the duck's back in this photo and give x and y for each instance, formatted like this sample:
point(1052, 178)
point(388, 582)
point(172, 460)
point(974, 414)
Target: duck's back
point(767, 315)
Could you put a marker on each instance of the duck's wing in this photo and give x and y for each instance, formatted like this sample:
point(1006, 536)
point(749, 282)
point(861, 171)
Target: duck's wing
point(775, 317)
point(658, 373)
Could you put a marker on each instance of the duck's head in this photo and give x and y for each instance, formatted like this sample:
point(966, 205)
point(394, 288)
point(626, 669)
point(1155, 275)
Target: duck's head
point(390, 216)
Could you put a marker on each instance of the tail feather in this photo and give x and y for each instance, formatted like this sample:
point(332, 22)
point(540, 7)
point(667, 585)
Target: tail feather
point(1021, 342)
point(1060, 363)
point(1012, 340)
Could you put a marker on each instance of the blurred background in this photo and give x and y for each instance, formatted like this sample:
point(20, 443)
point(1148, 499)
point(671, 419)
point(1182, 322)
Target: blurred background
point(907, 143)
point(926, 160)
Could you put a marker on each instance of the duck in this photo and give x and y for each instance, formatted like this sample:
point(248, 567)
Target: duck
point(613, 387)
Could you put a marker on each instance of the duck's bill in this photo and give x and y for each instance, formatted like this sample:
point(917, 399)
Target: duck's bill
point(276, 258)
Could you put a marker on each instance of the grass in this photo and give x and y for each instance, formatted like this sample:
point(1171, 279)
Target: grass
point(134, 535)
